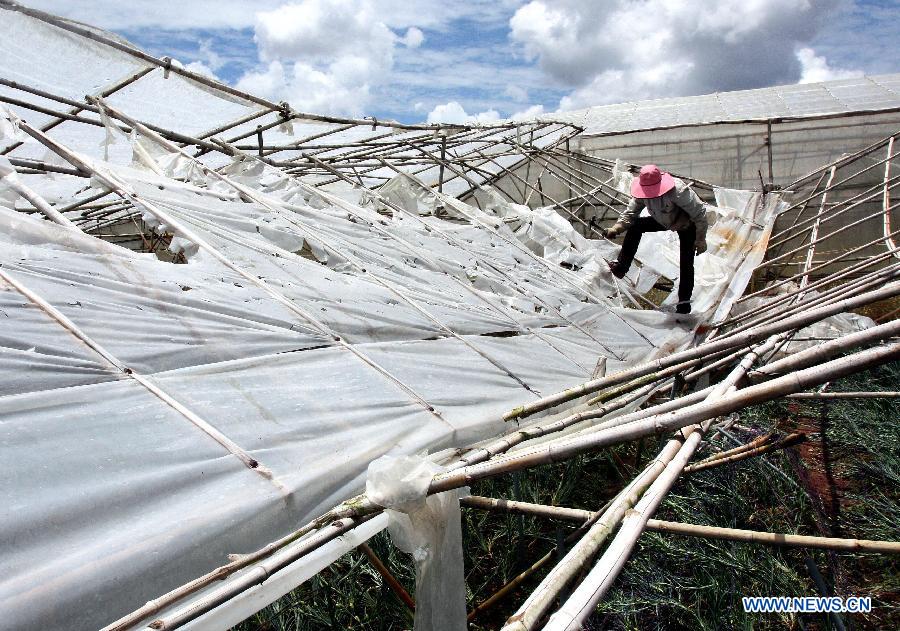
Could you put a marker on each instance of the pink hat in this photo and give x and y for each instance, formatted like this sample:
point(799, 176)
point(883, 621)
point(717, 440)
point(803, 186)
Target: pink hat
point(651, 182)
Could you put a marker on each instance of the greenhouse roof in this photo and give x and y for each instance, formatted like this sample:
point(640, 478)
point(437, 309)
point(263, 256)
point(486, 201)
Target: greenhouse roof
point(807, 100)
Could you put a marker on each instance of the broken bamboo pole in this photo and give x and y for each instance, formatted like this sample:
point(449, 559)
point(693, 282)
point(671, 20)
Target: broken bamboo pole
point(389, 578)
point(561, 449)
point(654, 481)
point(703, 350)
point(10, 179)
point(743, 454)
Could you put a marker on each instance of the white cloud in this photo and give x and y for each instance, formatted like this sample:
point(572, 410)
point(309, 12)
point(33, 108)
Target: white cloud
point(322, 30)
point(815, 68)
point(309, 89)
point(624, 50)
point(453, 112)
point(345, 56)
point(529, 113)
point(172, 14)
point(516, 92)
point(413, 38)
point(238, 14)
point(323, 56)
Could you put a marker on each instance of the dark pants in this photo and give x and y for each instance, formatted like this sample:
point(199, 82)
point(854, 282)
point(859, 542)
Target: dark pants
point(686, 240)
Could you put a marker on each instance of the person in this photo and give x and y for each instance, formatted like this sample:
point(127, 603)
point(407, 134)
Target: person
point(672, 206)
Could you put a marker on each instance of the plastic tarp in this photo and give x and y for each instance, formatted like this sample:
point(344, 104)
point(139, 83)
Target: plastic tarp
point(257, 393)
point(156, 417)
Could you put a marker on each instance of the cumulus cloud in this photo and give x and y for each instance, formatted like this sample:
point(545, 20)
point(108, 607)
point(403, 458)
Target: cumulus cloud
point(324, 56)
point(815, 68)
point(453, 112)
point(309, 89)
point(640, 49)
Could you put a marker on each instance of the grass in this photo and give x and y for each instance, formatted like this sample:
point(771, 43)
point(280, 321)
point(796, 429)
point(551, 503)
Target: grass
point(673, 582)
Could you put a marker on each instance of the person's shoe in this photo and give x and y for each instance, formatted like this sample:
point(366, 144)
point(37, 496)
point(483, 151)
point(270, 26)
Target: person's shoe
point(683, 306)
point(617, 269)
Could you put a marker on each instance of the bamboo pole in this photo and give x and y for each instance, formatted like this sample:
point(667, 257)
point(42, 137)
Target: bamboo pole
point(354, 508)
point(800, 213)
point(504, 444)
point(9, 179)
point(579, 516)
point(542, 598)
point(887, 200)
point(843, 160)
point(785, 236)
point(769, 305)
point(389, 578)
point(584, 598)
point(657, 475)
point(847, 288)
point(509, 587)
point(492, 504)
point(742, 339)
point(829, 235)
point(36, 166)
point(844, 395)
point(759, 441)
point(775, 539)
point(561, 449)
point(76, 106)
point(255, 575)
point(450, 238)
point(743, 454)
point(814, 233)
point(852, 288)
point(825, 351)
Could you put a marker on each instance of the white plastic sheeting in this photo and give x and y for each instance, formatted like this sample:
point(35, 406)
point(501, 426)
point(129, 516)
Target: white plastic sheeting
point(156, 417)
point(808, 99)
point(126, 483)
point(429, 529)
point(808, 337)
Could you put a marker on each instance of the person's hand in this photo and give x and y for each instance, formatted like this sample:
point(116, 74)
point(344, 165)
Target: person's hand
point(609, 233)
point(700, 247)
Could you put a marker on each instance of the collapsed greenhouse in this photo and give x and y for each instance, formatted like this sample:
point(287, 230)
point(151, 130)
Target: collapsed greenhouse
point(235, 334)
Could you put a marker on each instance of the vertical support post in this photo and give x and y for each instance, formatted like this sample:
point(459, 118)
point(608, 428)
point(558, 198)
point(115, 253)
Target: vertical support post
point(259, 139)
point(528, 165)
point(886, 222)
point(769, 151)
point(441, 170)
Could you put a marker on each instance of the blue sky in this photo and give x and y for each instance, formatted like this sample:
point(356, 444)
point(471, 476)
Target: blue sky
point(484, 60)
